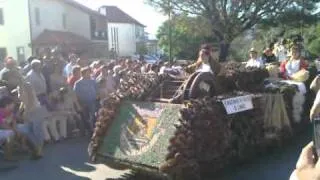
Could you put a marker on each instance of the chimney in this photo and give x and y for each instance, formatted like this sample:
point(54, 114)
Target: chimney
point(103, 10)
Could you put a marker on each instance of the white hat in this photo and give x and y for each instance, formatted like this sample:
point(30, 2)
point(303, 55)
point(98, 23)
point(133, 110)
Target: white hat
point(35, 61)
point(253, 50)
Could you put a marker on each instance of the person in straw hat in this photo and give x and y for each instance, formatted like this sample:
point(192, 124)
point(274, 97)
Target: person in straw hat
point(254, 60)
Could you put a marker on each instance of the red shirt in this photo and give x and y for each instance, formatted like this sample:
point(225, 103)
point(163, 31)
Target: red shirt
point(72, 80)
point(303, 65)
point(3, 115)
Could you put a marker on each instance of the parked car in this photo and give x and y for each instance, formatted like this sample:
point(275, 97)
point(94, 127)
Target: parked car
point(148, 58)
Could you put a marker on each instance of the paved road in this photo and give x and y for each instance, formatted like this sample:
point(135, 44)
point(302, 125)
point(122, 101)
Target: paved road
point(66, 161)
point(278, 165)
point(63, 161)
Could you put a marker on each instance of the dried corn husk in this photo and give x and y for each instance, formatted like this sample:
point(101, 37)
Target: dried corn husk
point(284, 114)
point(273, 70)
point(276, 112)
point(301, 76)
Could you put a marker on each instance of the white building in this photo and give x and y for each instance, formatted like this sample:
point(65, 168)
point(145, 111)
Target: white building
point(124, 32)
point(14, 29)
point(28, 26)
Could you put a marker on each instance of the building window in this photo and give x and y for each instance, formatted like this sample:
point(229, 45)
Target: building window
point(93, 25)
point(64, 21)
point(137, 32)
point(1, 17)
point(37, 14)
point(3, 53)
point(115, 39)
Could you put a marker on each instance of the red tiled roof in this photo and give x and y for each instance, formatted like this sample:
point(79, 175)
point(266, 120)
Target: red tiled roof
point(50, 37)
point(116, 15)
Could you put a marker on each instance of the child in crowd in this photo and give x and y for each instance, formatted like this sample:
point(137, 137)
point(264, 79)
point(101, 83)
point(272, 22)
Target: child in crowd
point(10, 130)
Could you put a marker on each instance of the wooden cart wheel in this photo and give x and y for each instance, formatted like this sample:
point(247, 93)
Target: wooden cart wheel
point(184, 88)
point(202, 85)
point(187, 87)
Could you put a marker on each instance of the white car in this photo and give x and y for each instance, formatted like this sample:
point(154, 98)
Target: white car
point(148, 58)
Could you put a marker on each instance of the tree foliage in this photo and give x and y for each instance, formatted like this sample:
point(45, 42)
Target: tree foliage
point(187, 34)
point(230, 18)
point(141, 48)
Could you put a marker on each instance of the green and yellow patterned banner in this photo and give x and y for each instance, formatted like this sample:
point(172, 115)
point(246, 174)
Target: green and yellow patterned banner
point(140, 133)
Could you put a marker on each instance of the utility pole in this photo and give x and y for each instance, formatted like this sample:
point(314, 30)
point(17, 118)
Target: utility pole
point(170, 32)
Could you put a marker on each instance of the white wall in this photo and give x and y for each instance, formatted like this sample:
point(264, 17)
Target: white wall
point(126, 37)
point(78, 22)
point(16, 31)
point(139, 33)
point(51, 17)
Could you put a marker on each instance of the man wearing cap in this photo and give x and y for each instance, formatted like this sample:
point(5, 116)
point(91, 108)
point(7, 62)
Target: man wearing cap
point(10, 73)
point(27, 67)
point(254, 61)
point(38, 82)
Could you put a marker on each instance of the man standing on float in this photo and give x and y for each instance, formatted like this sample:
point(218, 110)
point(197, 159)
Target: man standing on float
point(207, 60)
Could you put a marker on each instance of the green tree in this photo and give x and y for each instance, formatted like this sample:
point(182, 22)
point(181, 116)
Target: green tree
point(230, 18)
point(142, 48)
point(187, 34)
point(313, 40)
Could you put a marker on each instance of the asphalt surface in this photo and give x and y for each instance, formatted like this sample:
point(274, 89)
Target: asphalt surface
point(67, 161)
point(63, 161)
point(276, 165)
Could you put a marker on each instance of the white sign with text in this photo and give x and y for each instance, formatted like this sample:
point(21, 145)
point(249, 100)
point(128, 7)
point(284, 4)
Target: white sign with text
point(238, 104)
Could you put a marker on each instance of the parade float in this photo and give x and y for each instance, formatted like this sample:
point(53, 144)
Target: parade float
point(216, 122)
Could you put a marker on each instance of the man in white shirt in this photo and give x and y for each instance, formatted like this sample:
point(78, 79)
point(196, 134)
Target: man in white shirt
point(254, 60)
point(164, 68)
point(38, 82)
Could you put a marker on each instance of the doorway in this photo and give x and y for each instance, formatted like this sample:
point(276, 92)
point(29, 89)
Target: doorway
point(21, 54)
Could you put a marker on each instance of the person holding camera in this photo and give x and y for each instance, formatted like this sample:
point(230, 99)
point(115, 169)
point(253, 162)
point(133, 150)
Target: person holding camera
point(306, 168)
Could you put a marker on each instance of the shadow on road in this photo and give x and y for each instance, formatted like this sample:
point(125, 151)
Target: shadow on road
point(99, 172)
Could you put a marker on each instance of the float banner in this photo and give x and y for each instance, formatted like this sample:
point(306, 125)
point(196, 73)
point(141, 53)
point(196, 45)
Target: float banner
point(140, 133)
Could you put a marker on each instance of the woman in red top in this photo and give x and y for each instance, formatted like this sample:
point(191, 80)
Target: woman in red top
point(76, 75)
point(293, 65)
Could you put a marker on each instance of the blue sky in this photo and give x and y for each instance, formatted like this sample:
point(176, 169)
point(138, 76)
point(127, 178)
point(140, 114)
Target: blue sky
point(142, 12)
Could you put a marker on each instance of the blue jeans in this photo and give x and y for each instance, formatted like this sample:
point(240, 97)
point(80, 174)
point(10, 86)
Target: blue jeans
point(33, 132)
point(89, 115)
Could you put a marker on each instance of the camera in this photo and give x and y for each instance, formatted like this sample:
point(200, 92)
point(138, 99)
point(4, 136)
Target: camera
point(316, 137)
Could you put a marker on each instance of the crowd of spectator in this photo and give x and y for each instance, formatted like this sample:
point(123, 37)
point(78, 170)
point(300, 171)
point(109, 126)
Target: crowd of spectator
point(50, 99)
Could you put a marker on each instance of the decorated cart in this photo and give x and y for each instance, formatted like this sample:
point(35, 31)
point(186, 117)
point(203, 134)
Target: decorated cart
point(199, 124)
